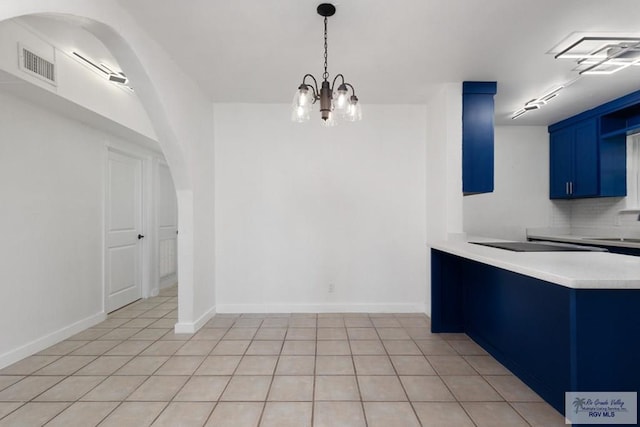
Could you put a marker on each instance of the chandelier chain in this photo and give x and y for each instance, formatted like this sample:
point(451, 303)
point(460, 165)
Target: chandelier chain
point(325, 76)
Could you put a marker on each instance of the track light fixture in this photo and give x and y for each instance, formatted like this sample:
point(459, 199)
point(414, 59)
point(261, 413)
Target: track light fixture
point(335, 102)
point(537, 103)
point(105, 71)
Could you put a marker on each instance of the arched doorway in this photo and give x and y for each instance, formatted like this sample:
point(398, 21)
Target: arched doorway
point(164, 93)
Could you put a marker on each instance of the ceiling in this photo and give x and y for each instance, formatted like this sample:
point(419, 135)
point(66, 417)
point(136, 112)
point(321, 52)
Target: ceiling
point(392, 52)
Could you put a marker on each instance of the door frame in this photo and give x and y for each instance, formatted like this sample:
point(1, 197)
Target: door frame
point(146, 203)
point(158, 164)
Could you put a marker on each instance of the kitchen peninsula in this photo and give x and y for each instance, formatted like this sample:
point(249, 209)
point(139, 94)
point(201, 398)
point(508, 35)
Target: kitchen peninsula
point(560, 321)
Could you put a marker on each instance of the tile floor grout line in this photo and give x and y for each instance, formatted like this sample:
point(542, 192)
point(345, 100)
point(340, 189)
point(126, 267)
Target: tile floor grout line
point(398, 375)
point(264, 402)
point(355, 374)
point(14, 410)
point(213, 408)
point(313, 381)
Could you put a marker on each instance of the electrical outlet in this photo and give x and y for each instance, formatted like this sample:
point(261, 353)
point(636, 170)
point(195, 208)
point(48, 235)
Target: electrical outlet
point(331, 288)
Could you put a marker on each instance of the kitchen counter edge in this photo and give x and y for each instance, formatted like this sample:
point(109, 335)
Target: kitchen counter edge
point(579, 270)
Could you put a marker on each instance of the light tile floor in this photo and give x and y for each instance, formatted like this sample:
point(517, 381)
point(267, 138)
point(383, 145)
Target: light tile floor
point(319, 370)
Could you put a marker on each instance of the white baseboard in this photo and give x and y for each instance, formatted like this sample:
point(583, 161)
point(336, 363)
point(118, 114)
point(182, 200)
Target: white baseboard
point(168, 281)
point(321, 308)
point(192, 327)
point(48, 340)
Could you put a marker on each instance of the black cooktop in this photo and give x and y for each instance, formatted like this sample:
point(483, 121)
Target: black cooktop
point(535, 247)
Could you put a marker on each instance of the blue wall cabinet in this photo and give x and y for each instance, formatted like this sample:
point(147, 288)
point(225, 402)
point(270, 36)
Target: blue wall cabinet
point(588, 155)
point(574, 161)
point(477, 136)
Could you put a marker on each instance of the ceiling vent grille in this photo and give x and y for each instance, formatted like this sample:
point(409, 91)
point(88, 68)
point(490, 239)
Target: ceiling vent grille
point(36, 65)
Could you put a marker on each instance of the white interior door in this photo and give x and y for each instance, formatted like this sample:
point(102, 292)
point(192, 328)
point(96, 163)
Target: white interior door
point(124, 230)
point(167, 228)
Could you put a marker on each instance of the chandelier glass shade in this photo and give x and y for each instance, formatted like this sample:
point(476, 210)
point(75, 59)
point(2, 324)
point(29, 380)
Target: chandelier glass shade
point(338, 100)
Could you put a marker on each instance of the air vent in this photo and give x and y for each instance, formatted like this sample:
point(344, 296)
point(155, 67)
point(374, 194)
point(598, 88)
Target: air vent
point(36, 65)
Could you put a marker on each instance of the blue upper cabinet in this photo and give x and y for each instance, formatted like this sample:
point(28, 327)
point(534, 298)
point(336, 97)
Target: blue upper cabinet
point(477, 136)
point(561, 159)
point(574, 161)
point(588, 155)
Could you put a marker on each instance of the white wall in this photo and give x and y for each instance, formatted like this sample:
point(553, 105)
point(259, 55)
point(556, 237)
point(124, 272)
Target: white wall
point(521, 195)
point(443, 161)
point(52, 184)
point(300, 207)
point(51, 220)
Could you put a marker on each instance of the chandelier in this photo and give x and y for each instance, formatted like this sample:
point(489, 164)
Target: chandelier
point(333, 104)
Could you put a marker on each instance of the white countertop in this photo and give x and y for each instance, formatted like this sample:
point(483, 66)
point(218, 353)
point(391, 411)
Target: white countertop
point(583, 270)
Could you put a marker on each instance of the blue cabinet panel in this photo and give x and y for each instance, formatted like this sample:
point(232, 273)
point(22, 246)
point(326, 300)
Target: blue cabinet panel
point(561, 161)
point(477, 137)
point(613, 166)
point(446, 305)
point(607, 334)
point(585, 183)
point(574, 169)
point(515, 318)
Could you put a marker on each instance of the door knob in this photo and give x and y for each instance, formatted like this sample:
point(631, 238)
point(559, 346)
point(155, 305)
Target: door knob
point(140, 236)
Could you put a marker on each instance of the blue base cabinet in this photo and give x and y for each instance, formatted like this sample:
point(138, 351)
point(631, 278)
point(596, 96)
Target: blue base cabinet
point(555, 339)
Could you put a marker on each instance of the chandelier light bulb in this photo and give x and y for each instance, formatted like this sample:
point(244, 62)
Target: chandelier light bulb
point(334, 103)
point(342, 98)
point(304, 95)
point(301, 106)
point(354, 110)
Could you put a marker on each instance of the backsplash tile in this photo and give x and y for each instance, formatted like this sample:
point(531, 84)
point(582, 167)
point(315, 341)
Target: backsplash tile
point(596, 212)
point(560, 213)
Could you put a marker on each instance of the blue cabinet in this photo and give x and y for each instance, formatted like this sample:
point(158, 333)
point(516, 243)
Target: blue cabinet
point(588, 151)
point(477, 137)
point(554, 338)
point(574, 161)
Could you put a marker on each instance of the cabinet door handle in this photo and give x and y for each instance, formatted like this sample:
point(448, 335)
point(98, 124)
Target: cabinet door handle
point(566, 188)
point(571, 187)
